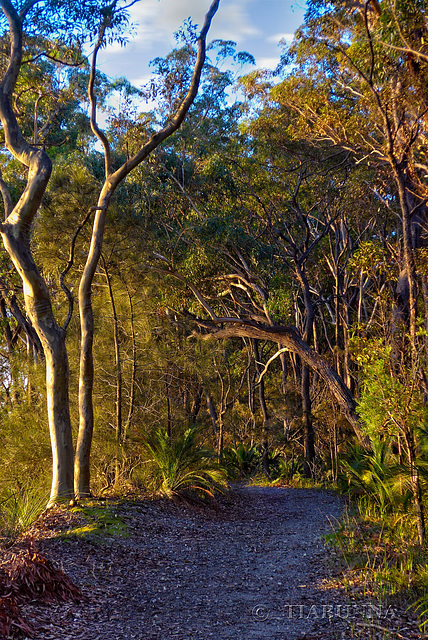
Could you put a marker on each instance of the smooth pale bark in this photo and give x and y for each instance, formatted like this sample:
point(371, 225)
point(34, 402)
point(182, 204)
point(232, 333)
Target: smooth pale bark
point(86, 373)
point(264, 410)
point(112, 181)
point(52, 337)
point(15, 232)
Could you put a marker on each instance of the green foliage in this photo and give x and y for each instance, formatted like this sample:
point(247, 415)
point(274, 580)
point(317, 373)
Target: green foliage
point(103, 520)
point(182, 465)
point(280, 303)
point(374, 472)
point(391, 402)
point(245, 461)
point(18, 510)
point(242, 461)
point(370, 257)
point(286, 470)
point(381, 558)
point(26, 449)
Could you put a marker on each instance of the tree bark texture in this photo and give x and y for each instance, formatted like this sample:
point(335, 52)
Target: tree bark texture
point(308, 426)
point(15, 233)
point(212, 411)
point(112, 181)
point(308, 429)
point(133, 367)
point(263, 407)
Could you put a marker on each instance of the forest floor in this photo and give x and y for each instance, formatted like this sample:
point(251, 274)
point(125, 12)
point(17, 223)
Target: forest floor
point(254, 569)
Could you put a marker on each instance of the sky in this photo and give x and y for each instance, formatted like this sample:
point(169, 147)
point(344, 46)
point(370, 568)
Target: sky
point(256, 26)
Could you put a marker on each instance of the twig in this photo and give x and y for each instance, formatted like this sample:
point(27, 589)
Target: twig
point(62, 275)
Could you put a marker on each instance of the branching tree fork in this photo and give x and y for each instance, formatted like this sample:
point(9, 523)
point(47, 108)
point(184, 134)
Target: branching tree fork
point(112, 181)
point(16, 231)
point(256, 326)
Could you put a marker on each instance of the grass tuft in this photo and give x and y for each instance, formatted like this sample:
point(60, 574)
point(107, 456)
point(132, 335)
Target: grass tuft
point(18, 510)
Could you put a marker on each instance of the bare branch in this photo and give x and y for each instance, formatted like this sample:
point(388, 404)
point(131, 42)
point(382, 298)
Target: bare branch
point(289, 338)
point(93, 101)
point(62, 275)
point(177, 119)
point(271, 359)
point(26, 8)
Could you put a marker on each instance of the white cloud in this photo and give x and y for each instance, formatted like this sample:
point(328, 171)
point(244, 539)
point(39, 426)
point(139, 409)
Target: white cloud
point(158, 20)
point(275, 38)
point(267, 63)
point(139, 81)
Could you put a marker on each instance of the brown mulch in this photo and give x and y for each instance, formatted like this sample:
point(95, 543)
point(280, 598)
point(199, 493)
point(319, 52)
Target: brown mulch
point(254, 568)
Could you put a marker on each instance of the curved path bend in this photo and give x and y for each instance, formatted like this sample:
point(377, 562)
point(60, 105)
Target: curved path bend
point(249, 572)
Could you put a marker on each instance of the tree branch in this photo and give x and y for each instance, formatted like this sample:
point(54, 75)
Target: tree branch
point(178, 118)
point(271, 359)
point(289, 338)
point(93, 100)
point(62, 275)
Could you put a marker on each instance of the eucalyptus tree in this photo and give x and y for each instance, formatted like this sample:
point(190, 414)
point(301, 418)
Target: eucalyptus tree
point(57, 31)
point(233, 274)
point(21, 25)
point(262, 242)
point(359, 83)
point(113, 177)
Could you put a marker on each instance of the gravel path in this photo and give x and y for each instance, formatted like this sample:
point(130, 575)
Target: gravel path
point(249, 572)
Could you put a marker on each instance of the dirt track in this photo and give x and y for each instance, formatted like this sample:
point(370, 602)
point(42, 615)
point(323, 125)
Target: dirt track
point(250, 572)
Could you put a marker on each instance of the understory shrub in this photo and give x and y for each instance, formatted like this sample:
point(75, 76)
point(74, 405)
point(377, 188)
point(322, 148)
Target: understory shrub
point(18, 510)
point(242, 461)
point(183, 465)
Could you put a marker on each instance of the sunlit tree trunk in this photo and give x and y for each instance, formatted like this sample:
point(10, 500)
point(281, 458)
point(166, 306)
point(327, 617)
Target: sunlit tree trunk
point(263, 407)
point(119, 378)
point(112, 181)
point(15, 232)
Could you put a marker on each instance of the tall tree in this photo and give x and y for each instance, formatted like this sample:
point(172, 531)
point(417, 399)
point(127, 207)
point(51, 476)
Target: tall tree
point(113, 177)
point(359, 83)
point(54, 27)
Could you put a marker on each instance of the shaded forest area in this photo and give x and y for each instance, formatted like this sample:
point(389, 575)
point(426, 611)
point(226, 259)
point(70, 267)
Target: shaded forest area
point(232, 285)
